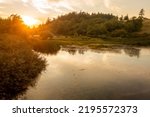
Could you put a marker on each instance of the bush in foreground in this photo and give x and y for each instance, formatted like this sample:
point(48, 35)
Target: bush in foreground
point(19, 66)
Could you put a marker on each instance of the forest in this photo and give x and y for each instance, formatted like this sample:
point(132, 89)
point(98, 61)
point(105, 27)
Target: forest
point(74, 24)
point(97, 25)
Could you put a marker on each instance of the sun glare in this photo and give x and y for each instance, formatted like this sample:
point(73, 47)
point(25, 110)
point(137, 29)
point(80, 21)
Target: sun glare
point(30, 21)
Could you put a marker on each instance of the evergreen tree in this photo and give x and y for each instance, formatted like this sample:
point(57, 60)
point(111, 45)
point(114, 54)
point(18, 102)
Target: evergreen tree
point(141, 13)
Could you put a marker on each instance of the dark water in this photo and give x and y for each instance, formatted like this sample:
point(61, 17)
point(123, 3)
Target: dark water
point(81, 73)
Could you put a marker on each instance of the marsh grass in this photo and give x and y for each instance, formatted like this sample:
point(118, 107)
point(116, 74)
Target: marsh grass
point(19, 66)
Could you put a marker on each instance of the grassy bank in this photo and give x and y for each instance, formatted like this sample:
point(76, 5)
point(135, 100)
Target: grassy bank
point(19, 66)
point(94, 43)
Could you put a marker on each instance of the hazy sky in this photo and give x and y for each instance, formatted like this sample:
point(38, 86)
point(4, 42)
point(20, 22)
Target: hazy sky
point(52, 8)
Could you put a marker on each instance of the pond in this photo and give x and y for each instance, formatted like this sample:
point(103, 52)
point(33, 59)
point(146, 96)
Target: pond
point(82, 73)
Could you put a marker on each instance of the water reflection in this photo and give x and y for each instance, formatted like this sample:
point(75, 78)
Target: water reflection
point(17, 73)
point(47, 48)
point(95, 74)
point(73, 50)
point(130, 51)
point(53, 49)
point(12, 88)
point(75, 72)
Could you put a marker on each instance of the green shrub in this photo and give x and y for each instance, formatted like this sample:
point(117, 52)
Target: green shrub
point(19, 66)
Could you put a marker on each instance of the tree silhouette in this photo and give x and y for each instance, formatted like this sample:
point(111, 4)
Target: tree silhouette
point(126, 17)
point(141, 13)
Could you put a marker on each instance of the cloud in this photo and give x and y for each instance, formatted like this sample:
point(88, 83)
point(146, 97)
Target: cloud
point(45, 6)
point(53, 8)
point(89, 3)
point(54, 0)
point(107, 3)
point(25, 1)
point(110, 4)
point(1, 1)
point(39, 8)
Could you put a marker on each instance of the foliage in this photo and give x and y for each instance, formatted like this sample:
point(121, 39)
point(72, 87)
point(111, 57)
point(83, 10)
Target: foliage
point(141, 13)
point(75, 24)
point(134, 25)
point(126, 17)
point(19, 66)
point(45, 46)
point(119, 33)
point(13, 25)
point(92, 25)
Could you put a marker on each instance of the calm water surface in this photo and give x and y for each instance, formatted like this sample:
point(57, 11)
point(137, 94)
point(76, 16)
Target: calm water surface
point(80, 73)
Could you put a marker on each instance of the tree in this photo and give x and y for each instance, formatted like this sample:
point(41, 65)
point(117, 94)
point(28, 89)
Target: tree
point(134, 25)
point(121, 18)
point(16, 19)
point(13, 25)
point(141, 13)
point(126, 17)
point(48, 21)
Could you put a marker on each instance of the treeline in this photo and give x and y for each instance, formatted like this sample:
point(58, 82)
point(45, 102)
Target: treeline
point(76, 24)
point(93, 25)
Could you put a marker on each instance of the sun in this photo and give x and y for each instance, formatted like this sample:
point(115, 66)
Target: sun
point(30, 21)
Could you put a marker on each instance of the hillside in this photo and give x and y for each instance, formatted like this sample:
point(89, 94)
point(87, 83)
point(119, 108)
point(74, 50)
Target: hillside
point(93, 25)
point(146, 26)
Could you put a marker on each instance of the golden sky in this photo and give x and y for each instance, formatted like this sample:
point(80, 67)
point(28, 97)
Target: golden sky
point(41, 9)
